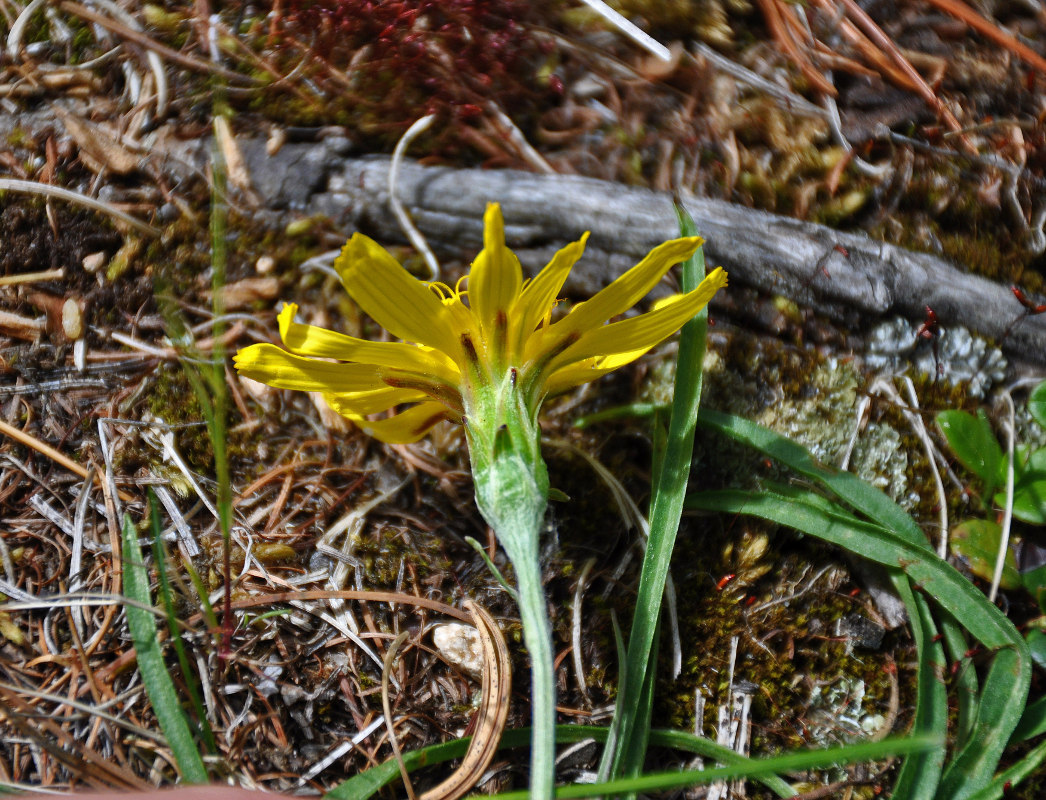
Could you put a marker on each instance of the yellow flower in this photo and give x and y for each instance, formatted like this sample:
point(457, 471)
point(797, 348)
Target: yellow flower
point(487, 356)
point(458, 343)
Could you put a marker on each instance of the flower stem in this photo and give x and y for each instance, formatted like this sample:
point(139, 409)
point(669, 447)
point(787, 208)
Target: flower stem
point(537, 635)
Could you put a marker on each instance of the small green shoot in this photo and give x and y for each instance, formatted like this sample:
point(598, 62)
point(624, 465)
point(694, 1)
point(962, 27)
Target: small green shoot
point(978, 541)
point(188, 673)
point(157, 681)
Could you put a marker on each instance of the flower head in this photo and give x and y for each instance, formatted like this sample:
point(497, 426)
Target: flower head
point(460, 344)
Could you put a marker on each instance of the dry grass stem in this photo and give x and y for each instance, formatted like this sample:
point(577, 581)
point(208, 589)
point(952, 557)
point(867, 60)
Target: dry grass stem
point(57, 192)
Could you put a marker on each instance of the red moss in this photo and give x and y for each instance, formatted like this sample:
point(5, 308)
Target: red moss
point(391, 62)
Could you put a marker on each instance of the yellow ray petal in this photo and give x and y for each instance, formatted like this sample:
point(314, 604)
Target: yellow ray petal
point(269, 364)
point(575, 374)
point(404, 306)
point(624, 292)
point(637, 335)
point(406, 427)
point(538, 296)
point(361, 404)
point(496, 276)
point(310, 340)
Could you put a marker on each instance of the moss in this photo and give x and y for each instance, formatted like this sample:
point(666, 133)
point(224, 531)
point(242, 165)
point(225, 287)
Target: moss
point(942, 213)
point(173, 400)
point(386, 552)
point(789, 651)
point(19, 137)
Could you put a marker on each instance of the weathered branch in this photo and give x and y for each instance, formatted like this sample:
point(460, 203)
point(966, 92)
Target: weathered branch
point(813, 264)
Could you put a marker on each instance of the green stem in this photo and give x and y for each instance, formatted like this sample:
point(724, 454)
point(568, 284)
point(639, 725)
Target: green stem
point(537, 635)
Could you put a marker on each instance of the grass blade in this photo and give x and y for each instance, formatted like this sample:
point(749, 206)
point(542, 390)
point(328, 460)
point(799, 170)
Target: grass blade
point(920, 773)
point(998, 713)
point(851, 489)
point(1025, 768)
point(369, 782)
point(791, 762)
point(157, 682)
point(626, 749)
point(967, 689)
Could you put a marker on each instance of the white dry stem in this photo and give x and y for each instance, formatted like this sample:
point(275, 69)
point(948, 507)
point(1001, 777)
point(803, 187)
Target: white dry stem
point(204, 674)
point(518, 140)
point(726, 723)
point(790, 597)
point(402, 217)
point(19, 595)
point(14, 36)
point(859, 412)
point(910, 411)
point(931, 455)
point(786, 99)
point(339, 751)
point(48, 512)
point(165, 353)
point(57, 192)
point(155, 62)
point(836, 124)
point(1007, 516)
point(76, 556)
point(33, 277)
point(186, 540)
point(324, 262)
point(163, 440)
point(8, 562)
point(637, 35)
point(575, 629)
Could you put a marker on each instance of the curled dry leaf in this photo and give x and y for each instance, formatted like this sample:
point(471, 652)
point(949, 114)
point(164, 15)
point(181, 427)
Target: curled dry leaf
point(493, 710)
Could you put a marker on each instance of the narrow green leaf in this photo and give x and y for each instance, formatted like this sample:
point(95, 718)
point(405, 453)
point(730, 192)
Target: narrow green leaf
point(188, 674)
point(852, 490)
point(369, 782)
point(998, 712)
point(795, 761)
point(626, 749)
point(1033, 722)
point(966, 683)
point(157, 682)
point(920, 772)
point(1002, 783)
point(1037, 647)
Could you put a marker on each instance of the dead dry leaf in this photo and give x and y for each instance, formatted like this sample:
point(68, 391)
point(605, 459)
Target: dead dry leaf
point(99, 148)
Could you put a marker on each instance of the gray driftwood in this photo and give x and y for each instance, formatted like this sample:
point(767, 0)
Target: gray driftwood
point(812, 264)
